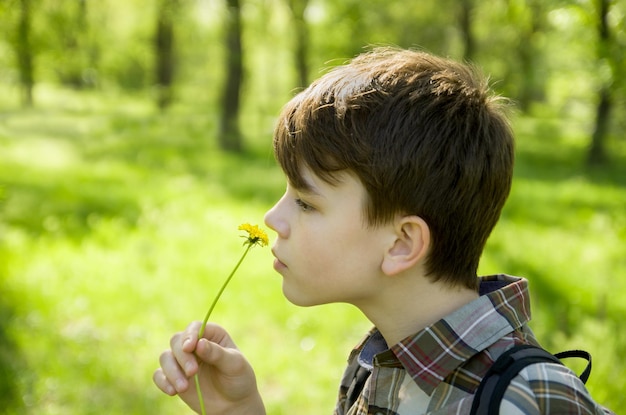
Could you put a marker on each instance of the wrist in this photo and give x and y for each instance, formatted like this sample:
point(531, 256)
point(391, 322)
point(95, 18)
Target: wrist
point(252, 406)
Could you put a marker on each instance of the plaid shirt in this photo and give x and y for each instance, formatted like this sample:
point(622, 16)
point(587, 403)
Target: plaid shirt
point(438, 370)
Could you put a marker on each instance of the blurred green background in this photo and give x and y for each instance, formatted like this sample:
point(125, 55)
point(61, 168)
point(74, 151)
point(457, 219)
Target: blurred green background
point(135, 136)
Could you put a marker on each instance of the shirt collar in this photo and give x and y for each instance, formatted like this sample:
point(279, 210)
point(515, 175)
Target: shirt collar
point(374, 345)
point(433, 353)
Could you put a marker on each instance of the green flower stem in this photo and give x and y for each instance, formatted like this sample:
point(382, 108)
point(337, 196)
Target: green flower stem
point(199, 392)
point(208, 314)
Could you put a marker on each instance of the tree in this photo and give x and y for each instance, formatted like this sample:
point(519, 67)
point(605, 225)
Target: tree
point(24, 52)
point(597, 151)
point(165, 62)
point(297, 8)
point(465, 24)
point(229, 133)
point(528, 16)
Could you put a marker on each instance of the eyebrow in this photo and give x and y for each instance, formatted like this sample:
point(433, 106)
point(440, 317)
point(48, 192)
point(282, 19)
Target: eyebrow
point(308, 187)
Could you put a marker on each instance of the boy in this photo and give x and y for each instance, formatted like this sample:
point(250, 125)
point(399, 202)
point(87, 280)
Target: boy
point(398, 165)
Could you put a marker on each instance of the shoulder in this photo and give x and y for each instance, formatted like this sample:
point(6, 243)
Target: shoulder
point(548, 388)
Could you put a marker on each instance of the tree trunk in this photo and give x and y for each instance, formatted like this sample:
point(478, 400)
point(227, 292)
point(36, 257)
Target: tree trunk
point(229, 134)
point(297, 8)
point(164, 50)
point(24, 53)
point(533, 82)
point(465, 23)
point(597, 154)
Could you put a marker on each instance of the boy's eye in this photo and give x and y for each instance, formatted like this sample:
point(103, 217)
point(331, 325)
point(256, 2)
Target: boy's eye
point(303, 205)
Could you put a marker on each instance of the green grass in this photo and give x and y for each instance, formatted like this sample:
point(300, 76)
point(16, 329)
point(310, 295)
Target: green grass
point(119, 224)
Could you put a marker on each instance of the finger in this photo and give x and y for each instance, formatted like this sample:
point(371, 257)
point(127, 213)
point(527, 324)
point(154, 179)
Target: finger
point(162, 383)
point(183, 345)
point(173, 372)
point(189, 337)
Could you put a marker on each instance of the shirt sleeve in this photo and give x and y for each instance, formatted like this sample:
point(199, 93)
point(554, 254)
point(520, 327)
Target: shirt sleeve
point(548, 388)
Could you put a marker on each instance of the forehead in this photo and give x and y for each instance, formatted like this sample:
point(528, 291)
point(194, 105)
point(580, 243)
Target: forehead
point(309, 182)
point(344, 183)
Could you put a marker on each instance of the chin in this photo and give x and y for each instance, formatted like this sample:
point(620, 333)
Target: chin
point(299, 299)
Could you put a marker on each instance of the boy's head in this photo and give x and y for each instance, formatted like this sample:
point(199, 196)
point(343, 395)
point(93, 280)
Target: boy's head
point(425, 137)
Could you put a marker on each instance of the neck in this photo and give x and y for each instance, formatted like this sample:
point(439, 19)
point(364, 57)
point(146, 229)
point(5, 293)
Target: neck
point(408, 305)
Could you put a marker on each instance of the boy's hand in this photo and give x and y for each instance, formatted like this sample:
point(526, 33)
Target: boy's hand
point(227, 380)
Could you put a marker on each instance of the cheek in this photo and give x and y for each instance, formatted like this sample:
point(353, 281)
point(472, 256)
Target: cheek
point(334, 252)
point(320, 254)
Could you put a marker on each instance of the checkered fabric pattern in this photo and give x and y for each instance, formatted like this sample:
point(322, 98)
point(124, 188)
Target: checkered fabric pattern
point(438, 370)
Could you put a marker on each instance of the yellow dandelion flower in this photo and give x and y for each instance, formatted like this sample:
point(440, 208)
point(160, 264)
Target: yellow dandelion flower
point(256, 235)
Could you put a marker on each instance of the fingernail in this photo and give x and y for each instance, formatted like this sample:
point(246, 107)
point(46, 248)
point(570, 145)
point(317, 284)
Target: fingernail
point(180, 384)
point(186, 342)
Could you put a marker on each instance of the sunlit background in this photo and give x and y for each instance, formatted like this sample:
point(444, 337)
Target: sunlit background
point(135, 136)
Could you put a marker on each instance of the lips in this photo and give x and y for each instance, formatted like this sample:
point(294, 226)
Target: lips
point(278, 264)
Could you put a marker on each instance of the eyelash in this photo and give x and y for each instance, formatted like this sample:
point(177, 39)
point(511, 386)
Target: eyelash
point(305, 207)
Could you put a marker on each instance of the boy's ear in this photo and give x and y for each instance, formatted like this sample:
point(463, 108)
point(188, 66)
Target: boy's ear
point(411, 245)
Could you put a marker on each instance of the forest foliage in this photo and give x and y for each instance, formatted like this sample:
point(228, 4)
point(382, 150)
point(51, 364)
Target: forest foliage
point(242, 55)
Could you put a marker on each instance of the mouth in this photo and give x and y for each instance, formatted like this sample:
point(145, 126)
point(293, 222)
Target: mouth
point(278, 264)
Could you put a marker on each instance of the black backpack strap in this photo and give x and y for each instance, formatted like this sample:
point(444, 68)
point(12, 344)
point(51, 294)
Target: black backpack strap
point(578, 354)
point(493, 386)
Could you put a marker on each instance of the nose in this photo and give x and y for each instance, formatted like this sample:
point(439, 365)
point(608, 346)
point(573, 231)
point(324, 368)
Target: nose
point(275, 219)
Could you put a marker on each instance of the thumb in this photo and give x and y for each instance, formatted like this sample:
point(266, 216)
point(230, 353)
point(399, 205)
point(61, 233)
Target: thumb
point(227, 360)
point(226, 371)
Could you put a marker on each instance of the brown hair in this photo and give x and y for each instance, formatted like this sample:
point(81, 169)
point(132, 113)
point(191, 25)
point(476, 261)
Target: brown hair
point(424, 135)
